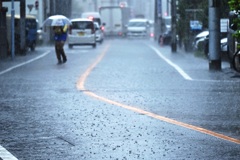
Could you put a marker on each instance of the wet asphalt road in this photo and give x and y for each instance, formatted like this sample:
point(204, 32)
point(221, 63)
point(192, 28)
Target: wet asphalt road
point(123, 100)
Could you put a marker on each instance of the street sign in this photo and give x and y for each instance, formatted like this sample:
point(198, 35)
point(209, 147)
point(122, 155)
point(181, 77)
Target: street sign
point(224, 25)
point(30, 6)
point(195, 25)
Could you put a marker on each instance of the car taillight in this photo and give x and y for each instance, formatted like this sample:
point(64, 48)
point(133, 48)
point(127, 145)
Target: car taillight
point(90, 18)
point(102, 28)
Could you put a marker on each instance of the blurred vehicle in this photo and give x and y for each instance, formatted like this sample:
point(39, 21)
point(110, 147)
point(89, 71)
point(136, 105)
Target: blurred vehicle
point(82, 32)
point(201, 43)
point(166, 23)
point(31, 26)
point(138, 28)
point(167, 37)
point(94, 16)
point(31, 32)
point(231, 39)
point(224, 45)
point(99, 33)
point(198, 43)
point(151, 29)
point(39, 36)
point(114, 19)
point(123, 4)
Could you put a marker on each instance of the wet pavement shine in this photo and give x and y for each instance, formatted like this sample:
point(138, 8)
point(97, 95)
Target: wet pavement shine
point(96, 107)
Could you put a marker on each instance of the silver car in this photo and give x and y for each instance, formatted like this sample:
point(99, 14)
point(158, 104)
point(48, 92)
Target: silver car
point(99, 33)
point(82, 32)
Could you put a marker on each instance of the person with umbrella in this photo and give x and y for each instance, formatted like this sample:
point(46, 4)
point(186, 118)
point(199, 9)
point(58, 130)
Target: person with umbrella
point(60, 36)
point(59, 23)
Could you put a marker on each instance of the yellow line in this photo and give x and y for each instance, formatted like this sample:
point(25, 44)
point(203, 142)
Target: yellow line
point(81, 81)
point(80, 86)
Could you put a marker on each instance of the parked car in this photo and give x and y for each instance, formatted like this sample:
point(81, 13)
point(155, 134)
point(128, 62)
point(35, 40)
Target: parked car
point(167, 37)
point(224, 45)
point(99, 33)
point(201, 43)
point(199, 40)
point(82, 32)
point(31, 26)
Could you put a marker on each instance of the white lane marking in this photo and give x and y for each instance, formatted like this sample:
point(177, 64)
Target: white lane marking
point(180, 71)
point(5, 155)
point(24, 63)
point(184, 74)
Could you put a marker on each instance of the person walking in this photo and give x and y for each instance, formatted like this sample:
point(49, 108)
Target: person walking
point(60, 36)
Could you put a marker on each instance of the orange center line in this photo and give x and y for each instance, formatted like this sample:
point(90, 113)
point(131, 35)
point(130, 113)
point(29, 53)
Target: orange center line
point(80, 86)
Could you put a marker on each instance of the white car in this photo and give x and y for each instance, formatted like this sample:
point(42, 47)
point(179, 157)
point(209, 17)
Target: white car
point(202, 39)
point(224, 45)
point(199, 39)
point(138, 28)
point(82, 32)
point(99, 33)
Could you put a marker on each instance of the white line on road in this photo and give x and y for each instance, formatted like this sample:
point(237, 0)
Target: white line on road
point(24, 63)
point(4, 154)
point(184, 74)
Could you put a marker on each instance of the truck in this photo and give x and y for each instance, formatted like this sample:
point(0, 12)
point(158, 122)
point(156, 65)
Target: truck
point(114, 19)
point(94, 16)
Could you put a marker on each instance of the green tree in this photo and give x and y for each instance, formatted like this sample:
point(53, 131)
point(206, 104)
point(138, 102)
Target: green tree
point(185, 14)
point(190, 10)
point(235, 6)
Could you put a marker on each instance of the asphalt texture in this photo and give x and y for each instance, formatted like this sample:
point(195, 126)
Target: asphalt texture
point(105, 131)
point(226, 73)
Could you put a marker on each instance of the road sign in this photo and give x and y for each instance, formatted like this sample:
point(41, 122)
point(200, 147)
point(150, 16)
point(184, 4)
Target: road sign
point(224, 25)
point(195, 25)
point(30, 6)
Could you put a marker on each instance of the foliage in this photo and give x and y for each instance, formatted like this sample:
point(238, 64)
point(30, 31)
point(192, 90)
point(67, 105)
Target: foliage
point(235, 6)
point(184, 17)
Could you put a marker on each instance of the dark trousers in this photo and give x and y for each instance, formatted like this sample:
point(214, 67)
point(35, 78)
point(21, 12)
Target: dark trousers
point(61, 56)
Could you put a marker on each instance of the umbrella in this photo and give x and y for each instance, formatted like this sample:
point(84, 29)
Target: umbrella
point(57, 20)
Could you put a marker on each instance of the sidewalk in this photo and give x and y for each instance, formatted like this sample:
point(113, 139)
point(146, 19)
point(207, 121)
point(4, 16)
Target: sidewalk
point(197, 66)
point(11, 62)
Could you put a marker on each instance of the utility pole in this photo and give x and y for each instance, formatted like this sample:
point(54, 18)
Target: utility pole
point(157, 18)
point(12, 30)
point(174, 25)
point(214, 35)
